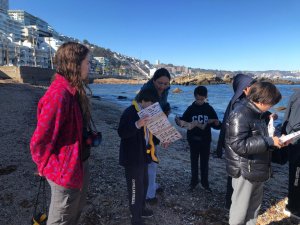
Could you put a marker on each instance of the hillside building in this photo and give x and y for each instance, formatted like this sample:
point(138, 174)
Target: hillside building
point(26, 19)
point(4, 5)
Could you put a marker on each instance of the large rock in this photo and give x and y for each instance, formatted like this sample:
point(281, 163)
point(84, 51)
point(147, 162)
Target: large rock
point(177, 90)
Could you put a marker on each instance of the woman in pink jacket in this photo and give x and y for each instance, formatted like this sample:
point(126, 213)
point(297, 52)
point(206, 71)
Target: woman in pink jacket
point(57, 145)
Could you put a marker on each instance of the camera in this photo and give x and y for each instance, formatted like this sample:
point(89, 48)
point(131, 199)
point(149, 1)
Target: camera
point(94, 138)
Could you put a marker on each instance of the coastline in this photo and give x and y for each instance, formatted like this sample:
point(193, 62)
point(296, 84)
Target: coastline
point(186, 81)
point(107, 197)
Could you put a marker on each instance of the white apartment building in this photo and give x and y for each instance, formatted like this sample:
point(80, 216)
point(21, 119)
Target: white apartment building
point(29, 33)
point(102, 60)
point(26, 19)
point(54, 43)
point(37, 55)
point(9, 51)
point(3, 22)
point(10, 27)
point(15, 29)
point(4, 5)
point(26, 40)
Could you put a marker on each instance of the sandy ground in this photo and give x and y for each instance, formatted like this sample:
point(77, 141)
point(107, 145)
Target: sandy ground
point(107, 201)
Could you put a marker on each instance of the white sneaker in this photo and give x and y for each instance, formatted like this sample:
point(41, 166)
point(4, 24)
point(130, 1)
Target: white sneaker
point(290, 214)
point(287, 212)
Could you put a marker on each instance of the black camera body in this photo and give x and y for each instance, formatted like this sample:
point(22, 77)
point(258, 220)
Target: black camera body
point(93, 138)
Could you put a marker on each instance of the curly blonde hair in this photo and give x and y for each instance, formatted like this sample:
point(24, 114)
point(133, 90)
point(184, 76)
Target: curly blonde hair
point(68, 59)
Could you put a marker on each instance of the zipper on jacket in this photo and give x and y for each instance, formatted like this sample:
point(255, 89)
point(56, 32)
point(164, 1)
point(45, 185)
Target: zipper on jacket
point(249, 166)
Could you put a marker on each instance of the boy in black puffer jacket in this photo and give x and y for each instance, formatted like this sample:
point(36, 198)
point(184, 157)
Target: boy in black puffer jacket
point(248, 152)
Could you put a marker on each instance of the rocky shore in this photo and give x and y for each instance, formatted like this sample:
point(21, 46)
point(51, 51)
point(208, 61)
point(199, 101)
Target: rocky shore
point(209, 79)
point(187, 80)
point(107, 202)
point(118, 81)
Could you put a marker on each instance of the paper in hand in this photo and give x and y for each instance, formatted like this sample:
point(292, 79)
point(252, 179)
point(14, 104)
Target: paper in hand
point(271, 128)
point(159, 124)
point(288, 137)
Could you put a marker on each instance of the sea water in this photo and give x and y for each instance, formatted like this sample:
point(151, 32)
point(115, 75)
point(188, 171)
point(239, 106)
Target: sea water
point(218, 97)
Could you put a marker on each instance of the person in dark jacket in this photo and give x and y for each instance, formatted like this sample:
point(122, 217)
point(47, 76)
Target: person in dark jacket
point(133, 154)
point(200, 117)
point(159, 84)
point(248, 152)
point(241, 86)
point(292, 124)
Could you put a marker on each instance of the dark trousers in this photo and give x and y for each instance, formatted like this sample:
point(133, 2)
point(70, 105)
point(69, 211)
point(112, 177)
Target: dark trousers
point(202, 149)
point(137, 183)
point(294, 179)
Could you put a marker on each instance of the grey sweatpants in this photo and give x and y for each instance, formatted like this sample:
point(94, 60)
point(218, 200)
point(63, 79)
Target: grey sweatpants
point(246, 201)
point(66, 204)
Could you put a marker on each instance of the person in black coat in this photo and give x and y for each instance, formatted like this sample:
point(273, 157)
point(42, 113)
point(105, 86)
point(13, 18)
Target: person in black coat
point(241, 86)
point(200, 117)
point(248, 152)
point(292, 124)
point(133, 154)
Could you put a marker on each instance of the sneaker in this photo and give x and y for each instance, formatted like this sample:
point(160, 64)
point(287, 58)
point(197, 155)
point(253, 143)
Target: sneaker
point(152, 201)
point(147, 213)
point(288, 213)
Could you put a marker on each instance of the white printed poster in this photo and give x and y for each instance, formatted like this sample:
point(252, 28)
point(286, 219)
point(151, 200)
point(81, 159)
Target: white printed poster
point(159, 125)
point(288, 137)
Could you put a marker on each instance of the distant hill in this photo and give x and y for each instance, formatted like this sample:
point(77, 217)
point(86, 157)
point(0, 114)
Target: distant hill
point(138, 69)
point(129, 66)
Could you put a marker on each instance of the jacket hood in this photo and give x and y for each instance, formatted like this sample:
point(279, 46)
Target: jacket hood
point(240, 82)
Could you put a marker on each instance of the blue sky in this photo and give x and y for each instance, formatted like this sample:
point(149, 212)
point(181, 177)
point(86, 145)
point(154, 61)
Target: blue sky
point(208, 34)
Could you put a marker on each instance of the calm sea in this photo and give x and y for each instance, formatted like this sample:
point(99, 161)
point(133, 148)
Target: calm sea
point(218, 96)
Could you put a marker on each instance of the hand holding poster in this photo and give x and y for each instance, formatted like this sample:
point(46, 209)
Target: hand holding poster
point(159, 125)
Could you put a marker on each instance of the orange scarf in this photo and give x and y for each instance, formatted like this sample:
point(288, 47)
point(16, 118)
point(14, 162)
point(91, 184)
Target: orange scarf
point(150, 151)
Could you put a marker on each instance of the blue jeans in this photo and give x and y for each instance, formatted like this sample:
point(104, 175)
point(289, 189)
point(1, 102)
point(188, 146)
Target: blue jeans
point(152, 185)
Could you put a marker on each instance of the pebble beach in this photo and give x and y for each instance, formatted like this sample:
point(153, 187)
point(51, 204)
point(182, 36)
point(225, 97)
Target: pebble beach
point(107, 198)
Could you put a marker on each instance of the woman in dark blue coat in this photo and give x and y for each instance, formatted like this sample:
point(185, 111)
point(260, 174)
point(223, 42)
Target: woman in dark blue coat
point(160, 85)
